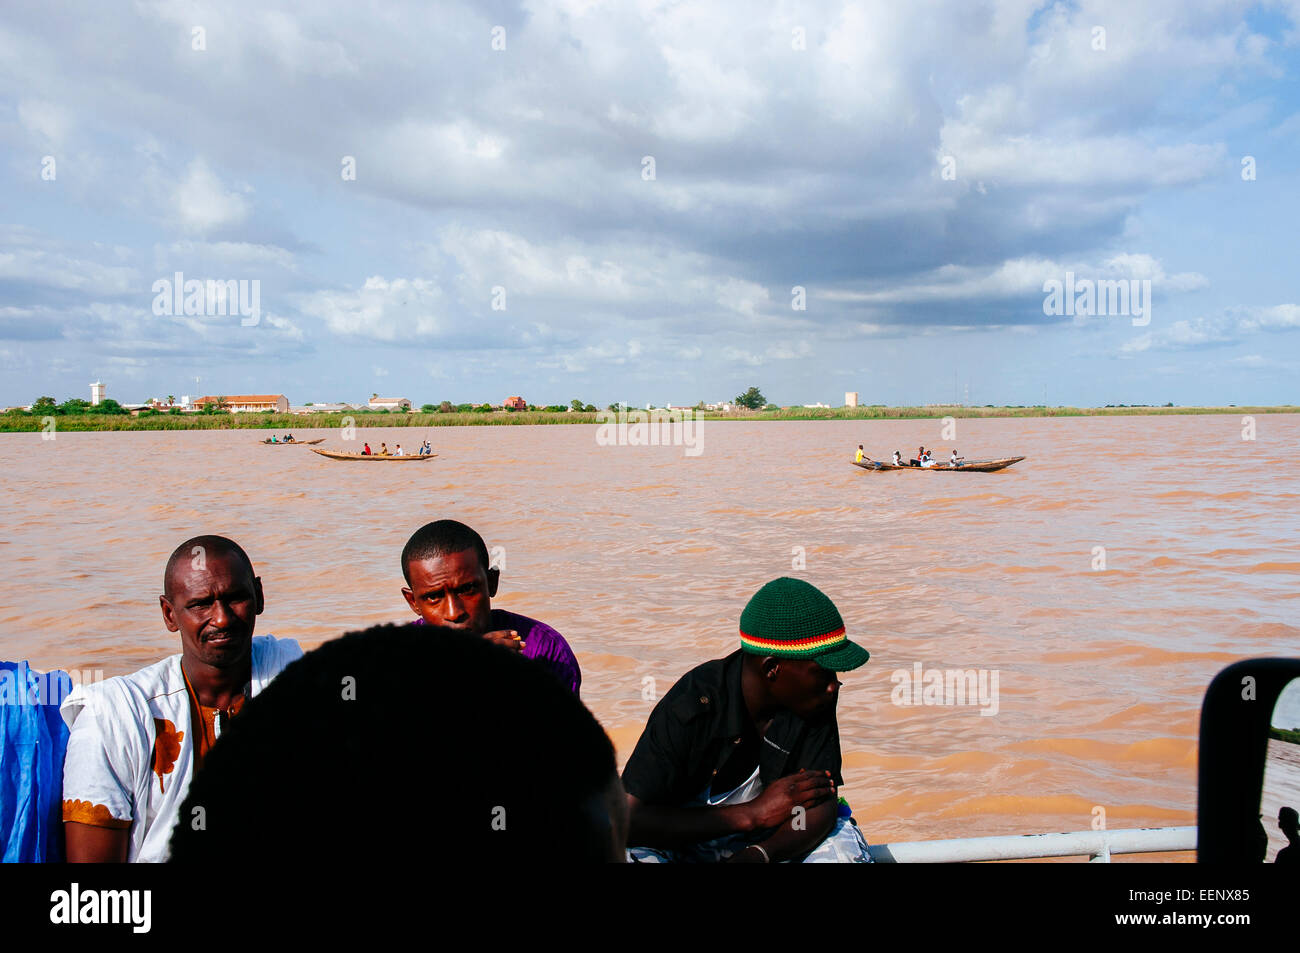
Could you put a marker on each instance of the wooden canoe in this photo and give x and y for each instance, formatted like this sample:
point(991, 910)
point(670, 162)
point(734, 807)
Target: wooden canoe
point(975, 466)
point(382, 458)
point(292, 443)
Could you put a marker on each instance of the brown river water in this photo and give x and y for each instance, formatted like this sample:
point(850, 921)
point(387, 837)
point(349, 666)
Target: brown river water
point(644, 556)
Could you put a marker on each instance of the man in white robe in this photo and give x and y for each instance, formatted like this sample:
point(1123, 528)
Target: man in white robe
point(137, 740)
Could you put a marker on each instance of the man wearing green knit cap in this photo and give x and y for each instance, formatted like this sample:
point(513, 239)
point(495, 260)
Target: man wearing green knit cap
point(740, 760)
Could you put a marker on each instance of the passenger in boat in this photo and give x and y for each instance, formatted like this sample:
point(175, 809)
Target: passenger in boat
point(365, 452)
point(857, 458)
point(137, 740)
point(273, 439)
point(399, 452)
point(527, 773)
point(383, 449)
point(898, 459)
point(740, 760)
point(920, 455)
point(289, 439)
point(450, 583)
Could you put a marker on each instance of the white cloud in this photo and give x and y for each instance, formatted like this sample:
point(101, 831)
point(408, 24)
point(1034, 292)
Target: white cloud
point(30, 257)
point(1179, 336)
point(1231, 327)
point(604, 354)
point(1090, 161)
point(1020, 277)
point(1281, 317)
point(381, 310)
point(222, 257)
point(781, 351)
point(596, 274)
point(1251, 360)
point(48, 121)
point(201, 203)
point(775, 167)
point(713, 102)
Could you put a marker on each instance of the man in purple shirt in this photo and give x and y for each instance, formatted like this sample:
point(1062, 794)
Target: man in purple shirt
point(449, 584)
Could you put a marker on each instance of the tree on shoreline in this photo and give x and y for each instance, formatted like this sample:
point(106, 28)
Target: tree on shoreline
point(752, 399)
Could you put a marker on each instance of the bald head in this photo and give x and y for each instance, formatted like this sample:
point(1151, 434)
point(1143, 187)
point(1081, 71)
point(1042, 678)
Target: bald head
point(193, 554)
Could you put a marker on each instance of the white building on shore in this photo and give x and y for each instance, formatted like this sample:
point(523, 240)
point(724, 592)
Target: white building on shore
point(390, 403)
point(322, 409)
point(248, 403)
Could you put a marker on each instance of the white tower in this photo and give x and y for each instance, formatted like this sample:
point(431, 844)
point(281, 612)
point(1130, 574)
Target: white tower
point(850, 398)
point(96, 393)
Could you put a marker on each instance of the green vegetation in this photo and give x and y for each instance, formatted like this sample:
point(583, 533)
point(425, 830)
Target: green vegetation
point(751, 399)
point(78, 415)
point(20, 422)
point(46, 407)
point(881, 412)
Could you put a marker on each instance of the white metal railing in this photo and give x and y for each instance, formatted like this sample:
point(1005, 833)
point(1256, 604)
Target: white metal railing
point(1098, 845)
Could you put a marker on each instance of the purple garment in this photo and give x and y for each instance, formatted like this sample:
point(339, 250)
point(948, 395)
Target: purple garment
point(541, 642)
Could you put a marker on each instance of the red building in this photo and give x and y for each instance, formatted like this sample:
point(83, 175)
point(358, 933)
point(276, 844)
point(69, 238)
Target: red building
point(515, 403)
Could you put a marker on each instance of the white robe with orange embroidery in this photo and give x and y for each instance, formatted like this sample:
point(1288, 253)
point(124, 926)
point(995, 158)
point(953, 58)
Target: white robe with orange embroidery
point(130, 755)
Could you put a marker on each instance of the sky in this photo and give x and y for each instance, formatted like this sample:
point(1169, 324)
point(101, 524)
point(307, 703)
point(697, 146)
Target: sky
point(652, 202)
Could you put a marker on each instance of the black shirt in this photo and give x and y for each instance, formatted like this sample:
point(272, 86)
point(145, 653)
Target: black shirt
point(702, 723)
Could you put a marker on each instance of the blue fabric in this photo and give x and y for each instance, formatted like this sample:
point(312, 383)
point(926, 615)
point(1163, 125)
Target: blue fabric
point(33, 740)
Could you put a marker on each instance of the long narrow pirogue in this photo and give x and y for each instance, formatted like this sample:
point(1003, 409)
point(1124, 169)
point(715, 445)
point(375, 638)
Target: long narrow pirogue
point(291, 443)
point(977, 466)
point(378, 457)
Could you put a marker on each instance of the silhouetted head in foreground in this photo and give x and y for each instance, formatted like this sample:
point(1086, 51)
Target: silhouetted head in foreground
point(1288, 821)
point(387, 745)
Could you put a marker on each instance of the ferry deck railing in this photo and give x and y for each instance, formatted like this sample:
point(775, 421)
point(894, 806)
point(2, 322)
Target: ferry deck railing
point(1097, 845)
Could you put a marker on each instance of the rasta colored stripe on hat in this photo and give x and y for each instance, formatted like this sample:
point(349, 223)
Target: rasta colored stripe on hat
point(790, 617)
point(793, 648)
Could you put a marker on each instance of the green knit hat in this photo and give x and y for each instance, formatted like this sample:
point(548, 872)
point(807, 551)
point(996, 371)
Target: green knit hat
point(789, 618)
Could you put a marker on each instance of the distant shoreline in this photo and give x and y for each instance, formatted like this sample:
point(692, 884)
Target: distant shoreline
point(288, 423)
